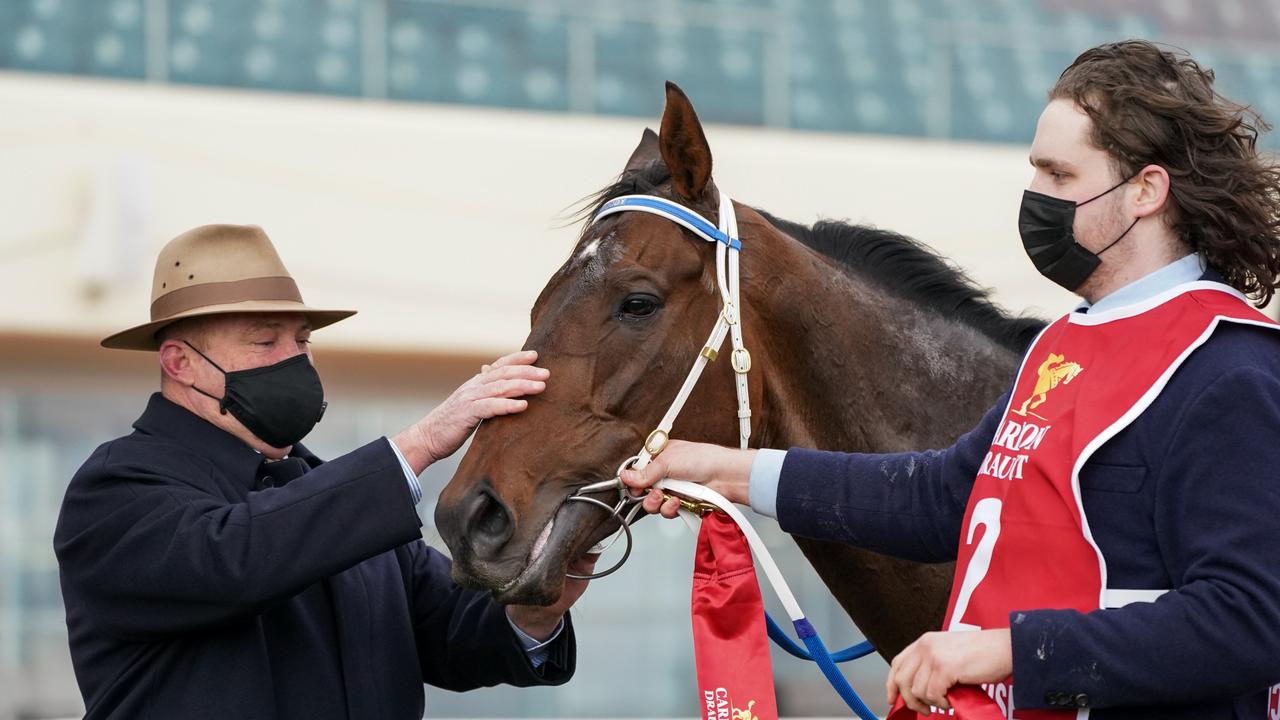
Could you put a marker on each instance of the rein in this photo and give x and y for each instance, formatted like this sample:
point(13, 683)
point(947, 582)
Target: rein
point(695, 499)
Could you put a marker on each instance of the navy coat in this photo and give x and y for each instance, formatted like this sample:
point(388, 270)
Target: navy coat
point(201, 582)
point(1186, 497)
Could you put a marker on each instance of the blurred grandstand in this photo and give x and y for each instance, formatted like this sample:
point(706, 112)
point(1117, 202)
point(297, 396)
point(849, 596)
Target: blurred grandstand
point(953, 69)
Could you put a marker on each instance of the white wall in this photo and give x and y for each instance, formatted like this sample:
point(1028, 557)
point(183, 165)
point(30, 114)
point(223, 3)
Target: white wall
point(437, 222)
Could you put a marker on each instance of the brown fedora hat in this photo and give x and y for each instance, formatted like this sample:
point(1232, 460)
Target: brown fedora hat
point(215, 270)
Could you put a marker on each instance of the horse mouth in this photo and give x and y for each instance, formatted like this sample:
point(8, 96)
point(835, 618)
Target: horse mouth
point(568, 534)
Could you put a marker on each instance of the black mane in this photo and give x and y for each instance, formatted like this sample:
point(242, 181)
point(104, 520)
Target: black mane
point(900, 264)
point(915, 272)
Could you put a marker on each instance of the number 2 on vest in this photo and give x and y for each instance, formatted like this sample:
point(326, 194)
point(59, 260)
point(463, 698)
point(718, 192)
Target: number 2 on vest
point(985, 513)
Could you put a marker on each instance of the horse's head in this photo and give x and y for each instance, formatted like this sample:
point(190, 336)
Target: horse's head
point(618, 325)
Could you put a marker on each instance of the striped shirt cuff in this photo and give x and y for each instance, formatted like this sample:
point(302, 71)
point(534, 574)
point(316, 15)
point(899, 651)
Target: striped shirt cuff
point(415, 487)
point(537, 651)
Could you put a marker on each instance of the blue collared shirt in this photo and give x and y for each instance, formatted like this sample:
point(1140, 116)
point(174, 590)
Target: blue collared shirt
point(1178, 272)
point(766, 469)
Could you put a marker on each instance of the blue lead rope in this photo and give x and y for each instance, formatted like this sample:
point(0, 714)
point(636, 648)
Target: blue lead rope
point(784, 641)
point(817, 652)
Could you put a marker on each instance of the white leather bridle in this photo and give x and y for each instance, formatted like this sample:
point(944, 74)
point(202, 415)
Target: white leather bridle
point(728, 323)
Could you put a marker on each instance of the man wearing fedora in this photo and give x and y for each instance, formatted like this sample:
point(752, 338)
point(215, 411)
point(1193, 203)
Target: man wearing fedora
point(212, 567)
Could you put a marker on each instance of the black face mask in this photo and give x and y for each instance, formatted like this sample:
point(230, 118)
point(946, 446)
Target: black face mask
point(278, 403)
point(1047, 227)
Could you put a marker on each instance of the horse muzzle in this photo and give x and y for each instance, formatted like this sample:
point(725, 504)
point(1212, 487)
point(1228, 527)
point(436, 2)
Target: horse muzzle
point(517, 565)
point(479, 526)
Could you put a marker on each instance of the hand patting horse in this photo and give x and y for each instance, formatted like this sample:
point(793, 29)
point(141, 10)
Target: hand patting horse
point(861, 340)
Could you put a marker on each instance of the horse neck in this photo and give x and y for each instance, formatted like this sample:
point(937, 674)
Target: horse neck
point(848, 365)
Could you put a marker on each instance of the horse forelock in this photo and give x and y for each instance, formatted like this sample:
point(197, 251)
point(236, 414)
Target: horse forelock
point(597, 249)
point(648, 179)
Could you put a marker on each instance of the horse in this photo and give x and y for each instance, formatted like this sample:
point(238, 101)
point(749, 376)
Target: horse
point(861, 340)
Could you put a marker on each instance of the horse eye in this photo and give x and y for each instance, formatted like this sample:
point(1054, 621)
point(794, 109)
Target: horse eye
point(638, 306)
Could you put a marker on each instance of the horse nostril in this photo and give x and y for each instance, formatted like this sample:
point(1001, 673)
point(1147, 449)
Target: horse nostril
point(491, 519)
point(488, 524)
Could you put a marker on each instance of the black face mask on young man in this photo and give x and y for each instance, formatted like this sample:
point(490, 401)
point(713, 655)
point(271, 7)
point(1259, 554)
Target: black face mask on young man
point(1047, 227)
point(278, 403)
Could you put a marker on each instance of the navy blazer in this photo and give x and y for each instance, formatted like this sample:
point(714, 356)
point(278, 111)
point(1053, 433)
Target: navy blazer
point(201, 582)
point(1186, 497)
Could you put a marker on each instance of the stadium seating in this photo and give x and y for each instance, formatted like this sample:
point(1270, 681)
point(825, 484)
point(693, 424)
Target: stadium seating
point(966, 70)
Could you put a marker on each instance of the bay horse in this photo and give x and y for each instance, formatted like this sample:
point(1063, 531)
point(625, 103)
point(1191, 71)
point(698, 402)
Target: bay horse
point(861, 340)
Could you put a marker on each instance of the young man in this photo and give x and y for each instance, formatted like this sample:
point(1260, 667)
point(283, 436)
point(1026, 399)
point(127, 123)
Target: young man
point(1115, 517)
point(212, 567)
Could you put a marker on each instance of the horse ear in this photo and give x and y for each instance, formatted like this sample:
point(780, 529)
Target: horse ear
point(684, 146)
point(645, 153)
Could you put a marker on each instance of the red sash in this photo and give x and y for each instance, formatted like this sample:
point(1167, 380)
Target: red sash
point(731, 648)
point(1025, 543)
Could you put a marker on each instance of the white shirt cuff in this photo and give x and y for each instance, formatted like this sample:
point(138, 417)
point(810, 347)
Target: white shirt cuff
point(762, 490)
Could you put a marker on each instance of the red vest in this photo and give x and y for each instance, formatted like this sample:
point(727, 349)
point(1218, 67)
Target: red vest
point(1025, 543)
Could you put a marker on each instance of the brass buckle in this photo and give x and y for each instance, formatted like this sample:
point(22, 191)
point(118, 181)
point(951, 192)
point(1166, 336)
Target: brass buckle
point(697, 507)
point(740, 359)
point(656, 442)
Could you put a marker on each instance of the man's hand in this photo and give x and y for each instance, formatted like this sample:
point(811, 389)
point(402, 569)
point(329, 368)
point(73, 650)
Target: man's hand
point(725, 470)
point(496, 390)
point(930, 666)
point(539, 622)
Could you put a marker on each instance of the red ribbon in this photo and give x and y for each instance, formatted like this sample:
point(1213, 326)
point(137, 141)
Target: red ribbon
point(735, 676)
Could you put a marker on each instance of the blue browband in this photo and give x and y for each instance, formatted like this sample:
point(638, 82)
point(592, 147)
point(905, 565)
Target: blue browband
point(672, 211)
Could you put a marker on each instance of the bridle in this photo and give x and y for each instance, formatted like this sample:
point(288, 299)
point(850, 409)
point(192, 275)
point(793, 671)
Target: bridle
point(704, 499)
point(728, 323)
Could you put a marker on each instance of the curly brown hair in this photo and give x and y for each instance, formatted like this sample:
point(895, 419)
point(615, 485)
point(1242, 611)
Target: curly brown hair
point(1154, 106)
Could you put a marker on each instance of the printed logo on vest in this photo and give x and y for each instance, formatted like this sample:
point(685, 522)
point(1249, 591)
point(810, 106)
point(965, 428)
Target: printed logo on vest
point(1021, 438)
point(1273, 703)
point(1053, 372)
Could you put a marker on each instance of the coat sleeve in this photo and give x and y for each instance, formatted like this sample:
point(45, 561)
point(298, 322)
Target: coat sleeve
point(150, 553)
point(1217, 634)
point(463, 637)
point(909, 505)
